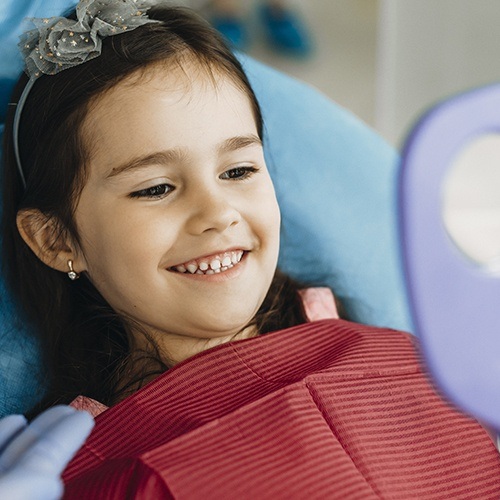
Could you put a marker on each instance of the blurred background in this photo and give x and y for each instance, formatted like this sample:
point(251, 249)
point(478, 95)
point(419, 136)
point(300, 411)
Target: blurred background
point(388, 60)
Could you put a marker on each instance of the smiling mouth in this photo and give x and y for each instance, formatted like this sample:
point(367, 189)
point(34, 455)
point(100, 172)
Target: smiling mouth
point(215, 264)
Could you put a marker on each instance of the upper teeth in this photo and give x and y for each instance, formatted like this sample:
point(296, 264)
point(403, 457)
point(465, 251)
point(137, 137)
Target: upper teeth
point(211, 265)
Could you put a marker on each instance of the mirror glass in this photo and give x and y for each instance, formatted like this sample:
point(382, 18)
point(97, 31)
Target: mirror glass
point(471, 201)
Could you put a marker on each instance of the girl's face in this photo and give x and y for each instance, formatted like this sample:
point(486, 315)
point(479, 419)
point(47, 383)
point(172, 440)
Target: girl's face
point(178, 220)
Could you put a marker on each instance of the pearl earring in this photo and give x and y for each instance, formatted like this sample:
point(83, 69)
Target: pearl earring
point(72, 274)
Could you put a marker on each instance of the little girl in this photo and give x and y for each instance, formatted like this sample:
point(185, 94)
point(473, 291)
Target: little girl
point(141, 231)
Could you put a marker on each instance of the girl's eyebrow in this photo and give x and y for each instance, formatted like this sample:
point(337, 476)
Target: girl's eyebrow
point(158, 158)
point(172, 155)
point(239, 142)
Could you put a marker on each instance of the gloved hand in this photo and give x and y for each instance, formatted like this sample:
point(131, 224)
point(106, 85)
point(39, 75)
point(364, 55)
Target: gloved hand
point(32, 457)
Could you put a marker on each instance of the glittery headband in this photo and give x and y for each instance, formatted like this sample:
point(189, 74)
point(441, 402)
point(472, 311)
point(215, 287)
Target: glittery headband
point(58, 43)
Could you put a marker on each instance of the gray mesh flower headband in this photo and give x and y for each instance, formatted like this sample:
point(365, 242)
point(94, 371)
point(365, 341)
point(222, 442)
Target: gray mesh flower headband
point(58, 43)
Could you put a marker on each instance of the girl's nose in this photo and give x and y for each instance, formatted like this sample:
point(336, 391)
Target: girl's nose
point(211, 211)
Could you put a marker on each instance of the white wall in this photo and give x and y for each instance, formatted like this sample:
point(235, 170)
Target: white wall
point(429, 49)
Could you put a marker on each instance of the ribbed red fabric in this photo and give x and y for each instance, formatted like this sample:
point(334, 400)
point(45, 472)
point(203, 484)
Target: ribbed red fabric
point(324, 410)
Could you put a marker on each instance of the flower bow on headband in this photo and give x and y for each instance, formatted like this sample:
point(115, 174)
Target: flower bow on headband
point(58, 43)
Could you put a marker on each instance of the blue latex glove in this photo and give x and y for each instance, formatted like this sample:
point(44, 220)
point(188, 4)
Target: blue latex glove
point(32, 457)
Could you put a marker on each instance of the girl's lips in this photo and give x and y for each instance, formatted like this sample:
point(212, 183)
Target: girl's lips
point(214, 275)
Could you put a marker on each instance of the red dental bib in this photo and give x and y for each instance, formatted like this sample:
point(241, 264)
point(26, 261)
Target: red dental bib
point(328, 409)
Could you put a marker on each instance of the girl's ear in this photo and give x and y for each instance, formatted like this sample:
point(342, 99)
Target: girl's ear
point(48, 239)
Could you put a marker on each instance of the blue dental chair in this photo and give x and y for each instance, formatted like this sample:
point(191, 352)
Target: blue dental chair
point(335, 181)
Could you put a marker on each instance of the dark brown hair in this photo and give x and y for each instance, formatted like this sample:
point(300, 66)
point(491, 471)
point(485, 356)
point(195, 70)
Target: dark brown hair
point(84, 342)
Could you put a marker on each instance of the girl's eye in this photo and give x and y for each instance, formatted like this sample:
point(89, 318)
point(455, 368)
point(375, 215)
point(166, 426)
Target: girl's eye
point(155, 192)
point(239, 173)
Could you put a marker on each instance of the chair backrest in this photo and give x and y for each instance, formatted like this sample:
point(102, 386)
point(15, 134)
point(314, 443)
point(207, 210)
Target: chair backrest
point(335, 182)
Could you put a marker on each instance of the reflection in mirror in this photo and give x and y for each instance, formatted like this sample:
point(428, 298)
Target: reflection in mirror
point(471, 201)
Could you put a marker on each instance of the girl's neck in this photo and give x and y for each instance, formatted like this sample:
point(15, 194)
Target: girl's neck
point(151, 356)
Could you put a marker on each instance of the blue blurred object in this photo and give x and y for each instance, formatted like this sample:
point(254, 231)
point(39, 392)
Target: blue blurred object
point(335, 182)
point(32, 457)
point(233, 30)
point(286, 31)
point(454, 301)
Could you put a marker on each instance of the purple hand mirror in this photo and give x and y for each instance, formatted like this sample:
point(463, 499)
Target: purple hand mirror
point(455, 301)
